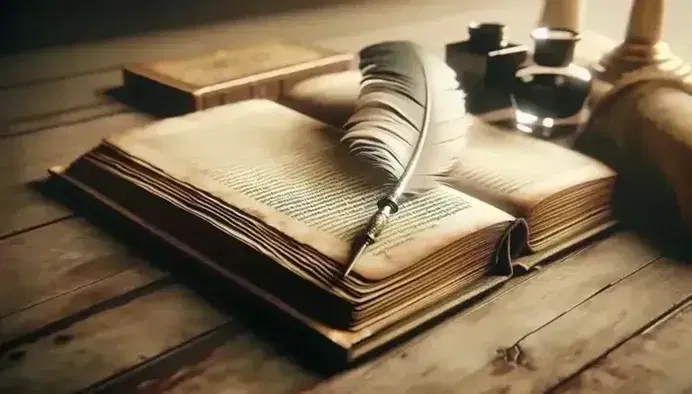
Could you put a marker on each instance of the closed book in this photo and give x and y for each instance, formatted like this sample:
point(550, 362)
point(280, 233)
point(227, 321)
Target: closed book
point(171, 87)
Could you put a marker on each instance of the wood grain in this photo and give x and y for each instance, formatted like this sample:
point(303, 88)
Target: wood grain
point(107, 343)
point(248, 365)
point(542, 359)
point(25, 159)
point(56, 96)
point(83, 274)
point(466, 344)
point(75, 304)
point(229, 358)
point(655, 361)
point(56, 259)
point(63, 118)
point(24, 207)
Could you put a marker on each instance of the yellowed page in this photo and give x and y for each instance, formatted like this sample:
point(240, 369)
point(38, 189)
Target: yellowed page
point(516, 172)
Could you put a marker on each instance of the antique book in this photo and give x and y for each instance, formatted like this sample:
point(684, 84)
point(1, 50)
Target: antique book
point(259, 70)
point(279, 182)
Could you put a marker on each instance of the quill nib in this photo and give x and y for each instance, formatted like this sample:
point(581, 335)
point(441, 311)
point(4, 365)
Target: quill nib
point(359, 250)
point(375, 226)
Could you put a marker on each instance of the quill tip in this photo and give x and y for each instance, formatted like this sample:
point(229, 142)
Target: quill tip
point(354, 257)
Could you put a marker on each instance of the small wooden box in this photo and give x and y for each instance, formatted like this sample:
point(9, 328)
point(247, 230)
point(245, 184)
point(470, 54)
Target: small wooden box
point(262, 70)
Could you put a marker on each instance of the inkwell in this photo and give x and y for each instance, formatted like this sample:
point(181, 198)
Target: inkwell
point(485, 65)
point(550, 92)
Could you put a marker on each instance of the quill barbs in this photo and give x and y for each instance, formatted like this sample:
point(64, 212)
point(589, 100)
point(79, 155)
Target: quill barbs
point(385, 130)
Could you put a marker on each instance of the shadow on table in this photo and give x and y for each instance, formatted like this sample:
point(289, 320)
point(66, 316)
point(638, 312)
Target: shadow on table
point(166, 106)
point(644, 200)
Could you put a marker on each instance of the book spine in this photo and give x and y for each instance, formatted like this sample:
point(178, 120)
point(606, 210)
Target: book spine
point(155, 97)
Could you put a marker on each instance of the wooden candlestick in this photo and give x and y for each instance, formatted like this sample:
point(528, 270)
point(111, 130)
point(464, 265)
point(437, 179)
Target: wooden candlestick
point(643, 47)
point(562, 14)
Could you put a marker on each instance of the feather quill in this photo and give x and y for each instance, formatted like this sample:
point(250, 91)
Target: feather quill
point(409, 125)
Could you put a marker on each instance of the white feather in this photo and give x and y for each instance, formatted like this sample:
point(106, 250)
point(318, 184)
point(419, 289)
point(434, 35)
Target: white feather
point(385, 128)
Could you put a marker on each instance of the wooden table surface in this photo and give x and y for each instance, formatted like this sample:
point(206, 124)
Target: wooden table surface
point(91, 305)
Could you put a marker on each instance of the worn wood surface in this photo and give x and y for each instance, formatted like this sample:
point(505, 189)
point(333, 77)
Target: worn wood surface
point(24, 159)
point(654, 361)
point(542, 359)
point(77, 302)
point(91, 305)
point(230, 357)
point(56, 259)
point(108, 342)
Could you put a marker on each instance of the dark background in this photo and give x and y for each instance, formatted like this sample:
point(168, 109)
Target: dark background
point(33, 24)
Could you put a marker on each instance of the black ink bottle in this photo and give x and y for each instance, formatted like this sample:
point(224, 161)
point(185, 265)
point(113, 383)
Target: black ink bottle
point(550, 91)
point(485, 65)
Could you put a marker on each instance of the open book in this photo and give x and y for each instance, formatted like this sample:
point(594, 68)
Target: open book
point(279, 182)
point(560, 193)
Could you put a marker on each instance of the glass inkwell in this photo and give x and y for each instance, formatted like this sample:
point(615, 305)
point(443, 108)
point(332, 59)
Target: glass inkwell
point(550, 92)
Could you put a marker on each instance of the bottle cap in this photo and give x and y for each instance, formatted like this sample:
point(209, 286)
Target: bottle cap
point(554, 47)
point(486, 37)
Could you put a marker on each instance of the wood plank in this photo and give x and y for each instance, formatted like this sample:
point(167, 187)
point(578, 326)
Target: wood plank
point(81, 301)
point(467, 343)
point(246, 363)
point(28, 101)
point(655, 361)
point(56, 259)
point(108, 343)
point(228, 358)
point(543, 358)
point(24, 159)
point(64, 118)
point(27, 157)
point(24, 207)
point(70, 294)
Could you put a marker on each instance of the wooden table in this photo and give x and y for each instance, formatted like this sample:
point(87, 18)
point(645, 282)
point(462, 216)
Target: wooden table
point(88, 306)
